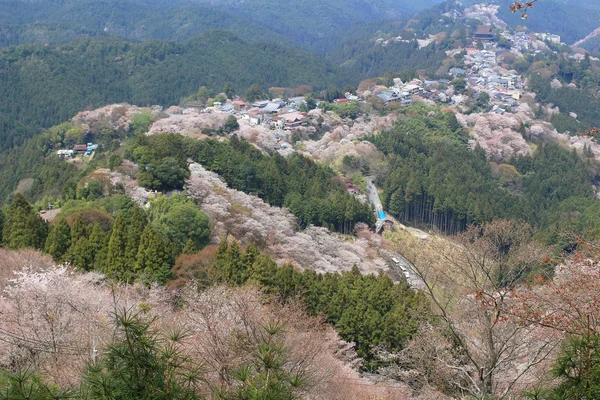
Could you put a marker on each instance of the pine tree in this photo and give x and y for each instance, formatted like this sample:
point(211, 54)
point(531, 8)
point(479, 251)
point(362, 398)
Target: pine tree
point(22, 226)
point(142, 364)
point(154, 257)
point(135, 230)
point(115, 263)
point(59, 240)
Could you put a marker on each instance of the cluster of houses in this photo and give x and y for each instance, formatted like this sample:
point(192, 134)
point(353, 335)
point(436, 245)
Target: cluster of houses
point(277, 113)
point(86, 149)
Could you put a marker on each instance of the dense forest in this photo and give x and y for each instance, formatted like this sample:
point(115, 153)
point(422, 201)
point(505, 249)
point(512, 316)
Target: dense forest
point(57, 22)
point(42, 86)
point(436, 180)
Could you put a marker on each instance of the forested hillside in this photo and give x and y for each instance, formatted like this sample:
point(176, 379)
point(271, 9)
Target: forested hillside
point(435, 180)
point(309, 25)
point(42, 86)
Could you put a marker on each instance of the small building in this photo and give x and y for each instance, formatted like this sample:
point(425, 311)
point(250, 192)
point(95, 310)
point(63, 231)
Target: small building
point(271, 107)
point(484, 33)
point(341, 100)
point(80, 148)
point(65, 153)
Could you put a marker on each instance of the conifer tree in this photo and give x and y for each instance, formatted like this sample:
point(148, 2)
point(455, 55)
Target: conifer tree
point(59, 240)
point(190, 247)
point(135, 230)
point(154, 257)
point(142, 364)
point(78, 230)
point(97, 246)
point(115, 263)
point(81, 255)
point(22, 226)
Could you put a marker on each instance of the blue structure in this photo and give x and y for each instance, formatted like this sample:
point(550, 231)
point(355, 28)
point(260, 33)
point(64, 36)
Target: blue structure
point(381, 214)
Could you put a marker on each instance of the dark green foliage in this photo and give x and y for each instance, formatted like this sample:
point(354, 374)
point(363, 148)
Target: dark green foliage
point(22, 226)
point(115, 263)
point(27, 385)
point(578, 370)
point(434, 179)
point(154, 257)
point(231, 124)
point(163, 175)
point(135, 228)
point(580, 101)
point(142, 364)
point(311, 191)
point(255, 92)
point(563, 123)
point(95, 72)
point(58, 240)
point(367, 310)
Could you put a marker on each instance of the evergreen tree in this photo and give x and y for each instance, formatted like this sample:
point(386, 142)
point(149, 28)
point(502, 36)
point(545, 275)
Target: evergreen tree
point(142, 365)
point(115, 263)
point(190, 247)
point(78, 230)
point(265, 376)
point(59, 240)
point(154, 257)
point(81, 255)
point(97, 246)
point(22, 226)
point(137, 222)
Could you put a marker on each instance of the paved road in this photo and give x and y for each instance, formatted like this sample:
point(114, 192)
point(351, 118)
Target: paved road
point(373, 195)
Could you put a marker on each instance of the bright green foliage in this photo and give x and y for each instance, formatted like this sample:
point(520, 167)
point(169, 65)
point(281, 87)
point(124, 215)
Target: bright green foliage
point(22, 226)
point(368, 310)
point(142, 364)
point(154, 257)
point(231, 124)
point(578, 370)
point(58, 240)
point(140, 122)
point(135, 228)
point(115, 263)
point(180, 219)
point(265, 376)
point(27, 385)
point(347, 110)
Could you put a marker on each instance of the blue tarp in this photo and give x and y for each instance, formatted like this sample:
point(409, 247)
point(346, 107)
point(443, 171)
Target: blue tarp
point(381, 214)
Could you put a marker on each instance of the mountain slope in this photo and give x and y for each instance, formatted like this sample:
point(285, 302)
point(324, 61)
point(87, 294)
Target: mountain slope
point(41, 86)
